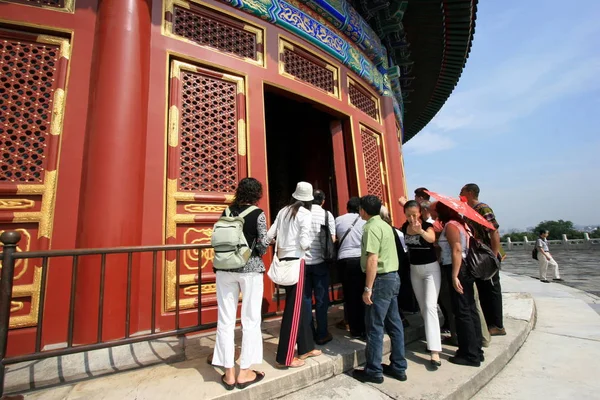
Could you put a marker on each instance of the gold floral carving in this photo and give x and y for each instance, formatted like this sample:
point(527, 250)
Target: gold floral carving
point(229, 198)
point(16, 204)
point(16, 306)
point(57, 112)
point(204, 208)
point(207, 288)
point(202, 236)
point(21, 265)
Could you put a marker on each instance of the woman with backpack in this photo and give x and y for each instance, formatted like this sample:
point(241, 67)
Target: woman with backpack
point(249, 280)
point(425, 274)
point(453, 244)
point(291, 230)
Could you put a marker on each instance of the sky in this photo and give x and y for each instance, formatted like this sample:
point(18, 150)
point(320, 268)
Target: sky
point(524, 121)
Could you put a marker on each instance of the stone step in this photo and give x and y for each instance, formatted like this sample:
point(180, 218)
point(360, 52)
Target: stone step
point(194, 378)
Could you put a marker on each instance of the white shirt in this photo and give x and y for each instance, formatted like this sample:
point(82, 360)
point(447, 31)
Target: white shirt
point(293, 234)
point(351, 245)
point(315, 254)
point(401, 237)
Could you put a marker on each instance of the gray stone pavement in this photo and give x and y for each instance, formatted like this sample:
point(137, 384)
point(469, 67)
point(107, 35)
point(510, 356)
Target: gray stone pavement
point(449, 381)
point(559, 360)
point(579, 268)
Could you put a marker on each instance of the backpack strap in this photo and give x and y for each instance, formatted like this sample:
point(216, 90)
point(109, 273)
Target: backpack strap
point(348, 231)
point(247, 211)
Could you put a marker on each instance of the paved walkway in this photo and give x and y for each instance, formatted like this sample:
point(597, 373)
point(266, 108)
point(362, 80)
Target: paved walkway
point(579, 268)
point(559, 360)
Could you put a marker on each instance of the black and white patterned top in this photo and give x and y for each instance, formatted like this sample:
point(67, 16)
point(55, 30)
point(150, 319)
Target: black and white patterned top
point(255, 231)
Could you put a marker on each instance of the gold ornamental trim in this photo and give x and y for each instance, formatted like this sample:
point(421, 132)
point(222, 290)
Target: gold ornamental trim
point(171, 207)
point(173, 126)
point(69, 6)
point(58, 112)
point(242, 137)
point(47, 212)
point(16, 204)
point(32, 290)
point(27, 217)
point(184, 219)
point(204, 208)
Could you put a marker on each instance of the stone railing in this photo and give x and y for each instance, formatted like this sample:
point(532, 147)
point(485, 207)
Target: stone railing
point(565, 244)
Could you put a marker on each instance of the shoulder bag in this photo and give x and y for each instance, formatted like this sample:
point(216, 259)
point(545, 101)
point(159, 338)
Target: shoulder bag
point(283, 272)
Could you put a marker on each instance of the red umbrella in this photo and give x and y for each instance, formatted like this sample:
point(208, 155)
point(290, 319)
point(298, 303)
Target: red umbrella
point(462, 208)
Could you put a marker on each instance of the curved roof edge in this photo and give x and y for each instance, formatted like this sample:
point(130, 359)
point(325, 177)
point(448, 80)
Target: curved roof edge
point(459, 29)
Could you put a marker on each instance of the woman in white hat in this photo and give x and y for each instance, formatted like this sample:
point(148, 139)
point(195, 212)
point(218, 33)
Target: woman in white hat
point(292, 230)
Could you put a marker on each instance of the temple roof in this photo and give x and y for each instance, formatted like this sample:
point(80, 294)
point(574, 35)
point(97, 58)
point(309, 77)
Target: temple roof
point(430, 41)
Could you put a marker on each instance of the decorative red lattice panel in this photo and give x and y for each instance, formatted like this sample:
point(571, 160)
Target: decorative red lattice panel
point(373, 163)
point(362, 101)
point(208, 29)
point(208, 134)
point(308, 71)
point(27, 84)
point(47, 3)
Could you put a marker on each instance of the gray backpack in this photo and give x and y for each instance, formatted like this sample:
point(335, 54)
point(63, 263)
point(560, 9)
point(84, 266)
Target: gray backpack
point(228, 240)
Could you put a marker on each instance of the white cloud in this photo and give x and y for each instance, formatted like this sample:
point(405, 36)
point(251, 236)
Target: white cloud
point(428, 142)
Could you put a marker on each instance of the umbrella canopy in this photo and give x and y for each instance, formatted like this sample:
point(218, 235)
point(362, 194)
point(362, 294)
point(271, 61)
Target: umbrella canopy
point(462, 208)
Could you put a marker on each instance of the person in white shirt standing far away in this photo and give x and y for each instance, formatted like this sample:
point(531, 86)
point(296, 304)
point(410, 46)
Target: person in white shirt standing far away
point(545, 258)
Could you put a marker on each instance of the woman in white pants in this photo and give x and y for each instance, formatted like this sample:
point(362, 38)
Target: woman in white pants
point(425, 274)
point(248, 280)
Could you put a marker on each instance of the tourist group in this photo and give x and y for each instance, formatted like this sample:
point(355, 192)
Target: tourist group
point(428, 254)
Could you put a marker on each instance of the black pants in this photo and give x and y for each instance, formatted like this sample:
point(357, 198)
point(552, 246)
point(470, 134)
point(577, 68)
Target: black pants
point(353, 283)
point(468, 326)
point(490, 297)
point(406, 299)
point(298, 332)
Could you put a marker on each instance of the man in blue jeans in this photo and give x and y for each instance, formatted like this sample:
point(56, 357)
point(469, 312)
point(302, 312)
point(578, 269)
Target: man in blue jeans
point(316, 271)
point(379, 261)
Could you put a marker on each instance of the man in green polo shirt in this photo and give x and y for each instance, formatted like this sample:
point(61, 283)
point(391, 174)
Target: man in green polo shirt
point(379, 261)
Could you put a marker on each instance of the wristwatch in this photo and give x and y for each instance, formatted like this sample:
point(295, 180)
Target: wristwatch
point(367, 289)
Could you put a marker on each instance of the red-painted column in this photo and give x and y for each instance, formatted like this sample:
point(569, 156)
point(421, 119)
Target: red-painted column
point(112, 186)
point(395, 173)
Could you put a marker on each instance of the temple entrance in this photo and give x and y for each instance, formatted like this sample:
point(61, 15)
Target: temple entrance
point(299, 148)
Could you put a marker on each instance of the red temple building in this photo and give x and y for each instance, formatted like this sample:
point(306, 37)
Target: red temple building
point(130, 122)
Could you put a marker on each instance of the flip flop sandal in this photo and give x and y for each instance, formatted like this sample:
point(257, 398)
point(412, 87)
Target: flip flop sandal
point(259, 377)
point(314, 353)
point(227, 385)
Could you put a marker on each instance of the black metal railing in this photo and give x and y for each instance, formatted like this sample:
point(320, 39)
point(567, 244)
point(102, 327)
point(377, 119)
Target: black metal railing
point(10, 256)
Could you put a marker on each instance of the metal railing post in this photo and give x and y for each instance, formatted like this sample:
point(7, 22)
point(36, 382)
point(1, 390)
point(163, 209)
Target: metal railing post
point(9, 241)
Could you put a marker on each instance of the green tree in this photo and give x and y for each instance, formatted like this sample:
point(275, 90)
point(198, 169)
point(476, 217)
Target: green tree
point(518, 236)
point(595, 233)
point(559, 228)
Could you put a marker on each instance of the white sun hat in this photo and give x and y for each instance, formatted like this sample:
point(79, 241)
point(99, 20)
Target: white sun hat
point(304, 192)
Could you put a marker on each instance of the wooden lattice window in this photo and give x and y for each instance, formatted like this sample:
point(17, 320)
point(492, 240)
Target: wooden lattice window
point(308, 68)
point(373, 162)
point(361, 99)
point(208, 134)
point(209, 28)
point(41, 3)
point(28, 73)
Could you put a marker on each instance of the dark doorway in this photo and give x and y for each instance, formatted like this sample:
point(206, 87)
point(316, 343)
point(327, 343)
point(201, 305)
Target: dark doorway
point(299, 148)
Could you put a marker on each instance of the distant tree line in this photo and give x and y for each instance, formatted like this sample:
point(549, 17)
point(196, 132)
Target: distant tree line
point(556, 228)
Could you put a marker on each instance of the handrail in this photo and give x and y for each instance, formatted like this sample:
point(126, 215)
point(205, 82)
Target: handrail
point(9, 255)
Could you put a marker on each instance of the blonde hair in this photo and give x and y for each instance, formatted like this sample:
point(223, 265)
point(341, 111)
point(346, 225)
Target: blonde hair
point(384, 213)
